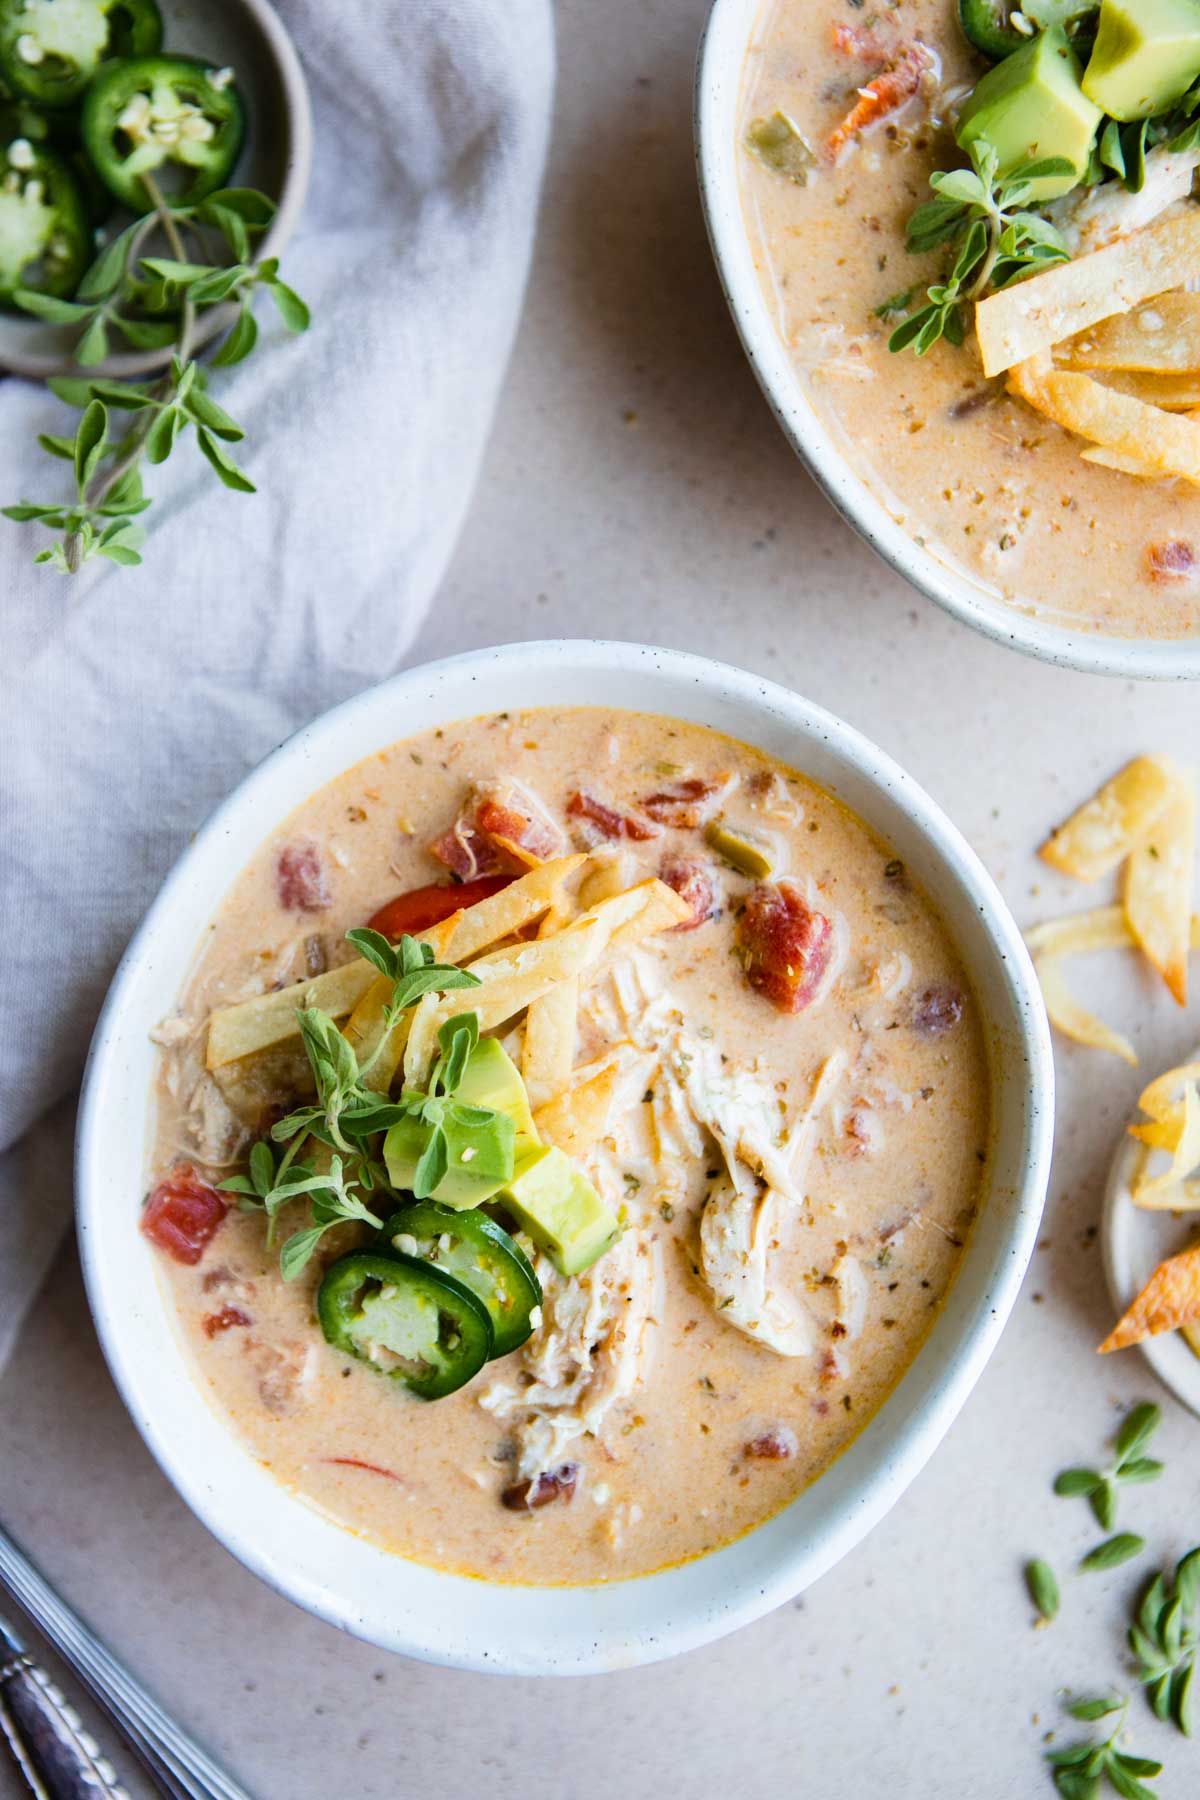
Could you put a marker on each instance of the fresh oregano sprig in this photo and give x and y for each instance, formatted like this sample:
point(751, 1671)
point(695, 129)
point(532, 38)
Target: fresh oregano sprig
point(1100, 1487)
point(995, 240)
point(1082, 1769)
point(1163, 1637)
point(152, 302)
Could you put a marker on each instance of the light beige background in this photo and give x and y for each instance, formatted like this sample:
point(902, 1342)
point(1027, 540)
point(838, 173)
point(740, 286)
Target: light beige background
point(637, 487)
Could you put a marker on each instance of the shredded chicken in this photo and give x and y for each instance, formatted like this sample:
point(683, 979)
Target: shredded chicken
point(592, 1351)
point(1089, 218)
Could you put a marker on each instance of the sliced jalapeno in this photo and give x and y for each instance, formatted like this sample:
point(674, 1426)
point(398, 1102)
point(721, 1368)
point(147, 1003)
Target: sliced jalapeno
point(51, 49)
point(174, 119)
point(45, 243)
point(411, 1322)
point(987, 23)
point(480, 1254)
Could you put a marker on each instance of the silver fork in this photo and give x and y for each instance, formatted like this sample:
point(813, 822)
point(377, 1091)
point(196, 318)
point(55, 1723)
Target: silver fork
point(45, 1733)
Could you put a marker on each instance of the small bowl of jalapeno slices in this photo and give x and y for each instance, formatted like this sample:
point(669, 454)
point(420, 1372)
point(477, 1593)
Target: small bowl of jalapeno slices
point(109, 131)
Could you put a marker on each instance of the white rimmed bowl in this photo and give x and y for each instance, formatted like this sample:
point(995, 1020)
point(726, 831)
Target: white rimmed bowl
point(718, 89)
point(445, 1618)
point(249, 37)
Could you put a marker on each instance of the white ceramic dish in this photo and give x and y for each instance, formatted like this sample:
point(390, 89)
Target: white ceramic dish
point(249, 37)
point(718, 89)
point(401, 1605)
point(1135, 1240)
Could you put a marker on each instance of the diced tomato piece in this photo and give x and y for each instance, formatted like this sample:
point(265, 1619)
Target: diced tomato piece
point(525, 836)
point(1171, 560)
point(300, 879)
point(686, 803)
point(425, 906)
point(225, 1320)
point(467, 853)
point(779, 1444)
point(856, 40)
point(693, 882)
point(785, 945)
point(551, 1484)
point(183, 1214)
point(938, 1011)
point(608, 821)
point(880, 97)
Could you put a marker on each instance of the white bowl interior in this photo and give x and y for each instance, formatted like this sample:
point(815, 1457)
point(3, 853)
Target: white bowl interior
point(718, 89)
point(404, 1606)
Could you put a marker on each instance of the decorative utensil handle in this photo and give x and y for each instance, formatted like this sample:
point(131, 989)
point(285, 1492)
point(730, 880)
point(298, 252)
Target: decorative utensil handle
point(175, 1763)
point(57, 1757)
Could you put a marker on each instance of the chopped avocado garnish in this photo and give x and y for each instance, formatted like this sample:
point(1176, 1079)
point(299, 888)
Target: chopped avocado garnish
point(1030, 108)
point(1146, 56)
point(480, 1155)
point(492, 1079)
point(748, 850)
point(561, 1210)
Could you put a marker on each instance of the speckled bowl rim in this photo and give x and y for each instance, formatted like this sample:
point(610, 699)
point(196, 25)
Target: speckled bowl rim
point(719, 67)
point(405, 1606)
point(289, 204)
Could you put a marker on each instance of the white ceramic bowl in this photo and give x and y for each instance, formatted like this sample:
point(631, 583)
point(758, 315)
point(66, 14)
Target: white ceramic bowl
point(445, 1618)
point(249, 37)
point(718, 90)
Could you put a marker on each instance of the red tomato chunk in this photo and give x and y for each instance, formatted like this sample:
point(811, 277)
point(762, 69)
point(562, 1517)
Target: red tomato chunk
point(785, 945)
point(300, 879)
point(425, 906)
point(495, 833)
point(226, 1320)
point(183, 1214)
point(693, 882)
point(608, 821)
point(687, 803)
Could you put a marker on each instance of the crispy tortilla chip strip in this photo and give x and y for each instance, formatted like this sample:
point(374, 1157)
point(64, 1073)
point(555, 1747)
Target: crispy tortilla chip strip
point(1158, 886)
point(1163, 1192)
point(1033, 315)
point(1175, 393)
point(548, 1055)
point(514, 978)
point(1124, 465)
point(1170, 1299)
point(1107, 827)
point(236, 1031)
point(1157, 439)
point(576, 1120)
point(1161, 1098)
point(1191, 1336)
point(1161, 336)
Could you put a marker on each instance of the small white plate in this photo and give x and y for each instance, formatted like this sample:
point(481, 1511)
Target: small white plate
point(1135, 1241)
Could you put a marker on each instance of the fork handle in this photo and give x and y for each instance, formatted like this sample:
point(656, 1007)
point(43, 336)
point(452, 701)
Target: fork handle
point(58, 1758)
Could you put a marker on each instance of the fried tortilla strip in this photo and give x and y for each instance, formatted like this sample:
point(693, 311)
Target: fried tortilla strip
point(1158, 886)
point(1174, 392)
point(237, 1031)
point(514, 978)
point(576, 1120)
point(1031, 316)
point(1159, 440)
point(1165, 1192)
point(1102, 832)
point(1162, 337)
point(1124, 465)
point(1103, 928)
point(1169, 1300)
point(551, 1026)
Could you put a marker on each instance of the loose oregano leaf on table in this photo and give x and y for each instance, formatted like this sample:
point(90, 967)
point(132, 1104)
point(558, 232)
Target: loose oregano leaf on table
point(1163, 1638)
point(1042, 1583)
point(1100, 1486)
point(150, 302)
point(1082, 1770)
point(1114, 1551)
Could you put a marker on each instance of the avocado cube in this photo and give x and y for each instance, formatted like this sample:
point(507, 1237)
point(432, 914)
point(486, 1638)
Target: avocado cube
point(1146, 56)
point(480, 1158)
point(1031, 107)
point(561, 1210)
point(491, 1079)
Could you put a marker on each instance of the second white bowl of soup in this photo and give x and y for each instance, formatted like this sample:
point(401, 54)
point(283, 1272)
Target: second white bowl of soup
point(780, 1041)
point(981, 502)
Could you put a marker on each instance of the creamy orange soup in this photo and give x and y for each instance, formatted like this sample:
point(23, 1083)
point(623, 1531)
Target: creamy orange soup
point(794, 1186)
point(988, 486)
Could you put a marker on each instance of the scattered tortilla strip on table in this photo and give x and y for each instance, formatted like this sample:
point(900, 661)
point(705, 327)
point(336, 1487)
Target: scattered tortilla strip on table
point(1165, 1192)
point(1033, 315)
point(1102, 928)
point(1160, 336)
point(1169, 1300)
point(252, 1025)
point(1167, 442)
point(1158, 886)
point(1102, 832)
